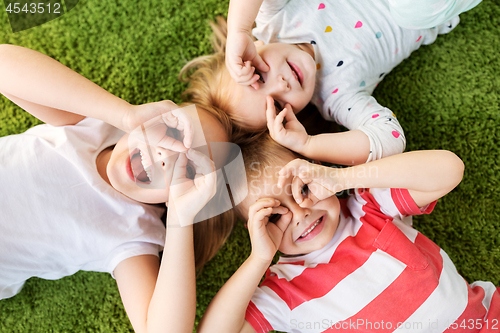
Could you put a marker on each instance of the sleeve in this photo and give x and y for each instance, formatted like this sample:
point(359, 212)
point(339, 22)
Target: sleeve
point(426, 14)
point(268, 9)
point(362, 112)
point(267, 311)
point(129, 250)
point(398, 203)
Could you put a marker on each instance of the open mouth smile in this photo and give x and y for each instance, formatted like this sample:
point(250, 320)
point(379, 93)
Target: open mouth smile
point(139, 171)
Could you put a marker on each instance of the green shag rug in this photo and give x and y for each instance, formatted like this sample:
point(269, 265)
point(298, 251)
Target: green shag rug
point(446, 96)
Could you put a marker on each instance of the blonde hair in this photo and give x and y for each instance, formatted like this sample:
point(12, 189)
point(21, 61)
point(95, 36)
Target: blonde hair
point(206, 76)
point(211, 234)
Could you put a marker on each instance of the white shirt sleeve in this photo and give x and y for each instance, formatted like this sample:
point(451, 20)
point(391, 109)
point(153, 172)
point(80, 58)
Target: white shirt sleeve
point(426, 14)
point(268, 9)
point(362, 112)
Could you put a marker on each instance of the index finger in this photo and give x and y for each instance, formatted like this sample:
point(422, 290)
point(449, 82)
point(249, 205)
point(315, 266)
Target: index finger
point(270, 113)
point(292, 168)
point(202, 163)
point(182, 121)
point(284, 221)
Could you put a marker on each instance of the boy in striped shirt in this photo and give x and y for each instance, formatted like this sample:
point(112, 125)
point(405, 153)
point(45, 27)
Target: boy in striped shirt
point(355, 265)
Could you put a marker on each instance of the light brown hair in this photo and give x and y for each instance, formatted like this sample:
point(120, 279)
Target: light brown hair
point(258, 155)
point(208, 80)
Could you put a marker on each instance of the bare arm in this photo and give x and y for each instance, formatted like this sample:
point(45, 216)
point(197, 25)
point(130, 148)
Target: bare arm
point(164, 300)
point(54, 93)
point(427, 174)
point(226, 312)
point(161, 299)
point(241, 54)
point(345, 148)
point(241, 14)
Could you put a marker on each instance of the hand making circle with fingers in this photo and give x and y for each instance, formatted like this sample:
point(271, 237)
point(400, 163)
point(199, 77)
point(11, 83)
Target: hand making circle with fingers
point(162, 137)
point(311, 182)
point(242, 58)
point(172, 130)
point(156, 116)
point(265, 235)
point(187, 195)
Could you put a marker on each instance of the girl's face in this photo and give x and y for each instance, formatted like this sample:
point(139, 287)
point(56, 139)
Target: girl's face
point(126, 169)
point(291, 79)
point(311, 228)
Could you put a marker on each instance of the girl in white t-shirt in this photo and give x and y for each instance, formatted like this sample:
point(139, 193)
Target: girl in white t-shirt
point(77, 191)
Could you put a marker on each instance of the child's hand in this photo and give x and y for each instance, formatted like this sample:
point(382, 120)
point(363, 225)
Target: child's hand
point(162, 124)
point(311, 182)
point(241, 54)
point(266, 233)
point(292, 135)
point(188, 196)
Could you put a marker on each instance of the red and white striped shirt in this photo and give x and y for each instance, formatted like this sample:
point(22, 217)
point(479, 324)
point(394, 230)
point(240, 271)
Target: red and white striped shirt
point(377, 274)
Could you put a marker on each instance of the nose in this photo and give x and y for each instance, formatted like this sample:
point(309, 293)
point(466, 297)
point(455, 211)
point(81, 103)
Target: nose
point(162, 154)
point(299, 214)
point(281, 85)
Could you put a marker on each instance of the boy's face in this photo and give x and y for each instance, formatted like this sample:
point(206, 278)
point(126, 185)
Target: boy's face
point(126, 166)
point(311, 228)
point(291, 79)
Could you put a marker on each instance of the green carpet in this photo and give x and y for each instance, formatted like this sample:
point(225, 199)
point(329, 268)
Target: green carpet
point(446, 96)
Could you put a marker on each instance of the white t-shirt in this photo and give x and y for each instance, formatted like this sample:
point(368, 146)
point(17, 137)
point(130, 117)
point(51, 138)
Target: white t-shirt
point(356, 44)
point(58, 215)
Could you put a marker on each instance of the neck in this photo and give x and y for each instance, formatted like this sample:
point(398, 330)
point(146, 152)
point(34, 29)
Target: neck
point(102, 163)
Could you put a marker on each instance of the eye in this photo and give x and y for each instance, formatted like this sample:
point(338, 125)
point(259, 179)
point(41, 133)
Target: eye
point(174, 133)
point(261, 78)
point(190, 171)
point(304, 191)
point(274, 218)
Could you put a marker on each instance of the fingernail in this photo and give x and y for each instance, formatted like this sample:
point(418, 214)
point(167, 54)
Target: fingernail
point(277, 202)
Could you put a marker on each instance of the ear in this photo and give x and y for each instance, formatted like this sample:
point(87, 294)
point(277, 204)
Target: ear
point(258, 43)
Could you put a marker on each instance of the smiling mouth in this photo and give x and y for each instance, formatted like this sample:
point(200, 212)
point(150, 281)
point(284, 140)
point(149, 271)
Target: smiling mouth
point(141, 173)
point(308, 231)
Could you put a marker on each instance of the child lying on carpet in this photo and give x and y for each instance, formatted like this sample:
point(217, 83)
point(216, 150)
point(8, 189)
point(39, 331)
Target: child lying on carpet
point(77, 191)
point(332, 53)
point(352, 265)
